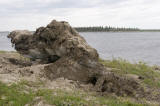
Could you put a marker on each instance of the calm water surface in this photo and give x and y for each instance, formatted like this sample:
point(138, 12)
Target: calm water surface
point(5, 43)
point(133, 46)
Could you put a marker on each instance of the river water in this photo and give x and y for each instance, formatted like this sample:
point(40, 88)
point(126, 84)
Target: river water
point(132, 46)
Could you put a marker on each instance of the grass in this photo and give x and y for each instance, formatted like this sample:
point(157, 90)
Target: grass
point(61, 98)
point(2, 51)
point(120, 66)
point(20, 94)
point(15, 54)
point(13, 95)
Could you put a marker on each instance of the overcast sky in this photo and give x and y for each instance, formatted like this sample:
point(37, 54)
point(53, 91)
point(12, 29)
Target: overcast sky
point(30, 14)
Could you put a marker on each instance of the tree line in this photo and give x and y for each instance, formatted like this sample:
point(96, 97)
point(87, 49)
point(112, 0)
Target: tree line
point(104, 29)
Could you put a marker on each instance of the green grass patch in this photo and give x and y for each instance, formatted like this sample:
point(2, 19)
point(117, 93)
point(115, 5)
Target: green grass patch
point(13, 95)
point(19, 94)
point(120, 66)
point(62, 98)
point(2, 51)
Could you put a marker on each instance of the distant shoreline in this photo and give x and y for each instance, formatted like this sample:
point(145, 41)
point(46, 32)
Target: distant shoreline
point(4, 31)
point(113, 29)
point(120, 31)
point(103, 31)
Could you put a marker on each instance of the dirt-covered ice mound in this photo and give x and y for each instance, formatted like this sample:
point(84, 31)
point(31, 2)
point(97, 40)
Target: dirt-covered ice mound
point(50, 43)
point(68, 55)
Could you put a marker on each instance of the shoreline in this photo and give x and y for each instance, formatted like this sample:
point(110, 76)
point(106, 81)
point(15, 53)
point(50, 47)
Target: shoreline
point(100, 31)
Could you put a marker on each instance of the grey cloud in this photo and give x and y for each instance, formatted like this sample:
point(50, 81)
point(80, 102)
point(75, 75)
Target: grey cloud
point(24, 13)
point(33, 6)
